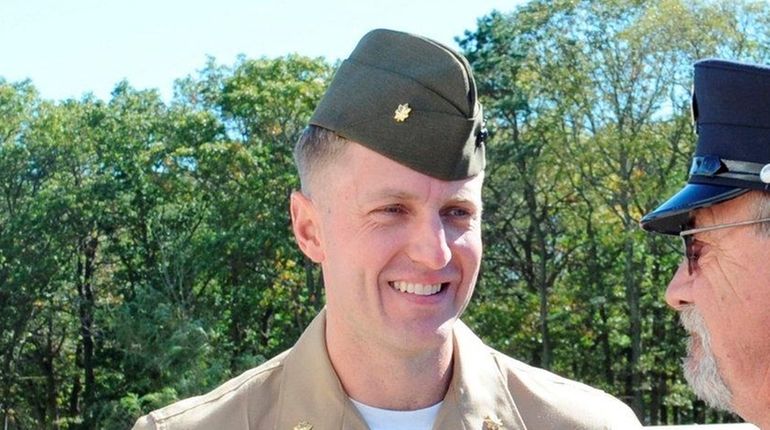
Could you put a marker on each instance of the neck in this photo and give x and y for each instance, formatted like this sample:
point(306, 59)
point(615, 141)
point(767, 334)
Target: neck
point(758, 415)
point(762, 420)
point(382, 377)
point(752, 401)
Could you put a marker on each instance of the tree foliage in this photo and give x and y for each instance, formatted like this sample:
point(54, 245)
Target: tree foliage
point(589, 106)
point(145, 248)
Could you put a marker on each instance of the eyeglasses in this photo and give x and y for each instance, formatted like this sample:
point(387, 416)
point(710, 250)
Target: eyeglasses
point(687, 235)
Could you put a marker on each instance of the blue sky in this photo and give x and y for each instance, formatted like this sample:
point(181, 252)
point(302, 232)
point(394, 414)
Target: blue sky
point(70, 47)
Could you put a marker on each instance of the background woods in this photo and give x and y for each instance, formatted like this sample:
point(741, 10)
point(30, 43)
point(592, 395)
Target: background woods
point(145, 249)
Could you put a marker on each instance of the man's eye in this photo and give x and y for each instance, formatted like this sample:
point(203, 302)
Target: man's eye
point(458, 212)
point(393, 209)
point(692, 252)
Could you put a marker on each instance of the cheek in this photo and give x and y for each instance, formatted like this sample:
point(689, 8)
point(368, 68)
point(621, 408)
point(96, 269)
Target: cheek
point(362, 253)
point(738, 289)
point(737, 318)
point(472, 239)
point(469, 247)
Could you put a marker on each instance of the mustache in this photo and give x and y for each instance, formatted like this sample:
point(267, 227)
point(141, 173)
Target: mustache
point(693, 323)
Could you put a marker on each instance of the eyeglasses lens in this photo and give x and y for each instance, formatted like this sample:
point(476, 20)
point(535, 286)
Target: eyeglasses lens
point(689, 252)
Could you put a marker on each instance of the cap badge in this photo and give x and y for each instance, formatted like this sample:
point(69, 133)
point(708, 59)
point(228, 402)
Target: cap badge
point(492, 423)
point(764, 174)
point(402, 112)
point(303, 425)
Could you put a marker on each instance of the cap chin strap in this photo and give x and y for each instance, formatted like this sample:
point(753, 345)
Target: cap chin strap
point(714, 166)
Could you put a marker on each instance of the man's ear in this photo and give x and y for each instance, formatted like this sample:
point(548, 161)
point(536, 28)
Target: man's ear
point(306, 226)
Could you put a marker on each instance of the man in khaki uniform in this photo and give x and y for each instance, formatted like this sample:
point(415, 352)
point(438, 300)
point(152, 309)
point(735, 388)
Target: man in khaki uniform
point(392, 170)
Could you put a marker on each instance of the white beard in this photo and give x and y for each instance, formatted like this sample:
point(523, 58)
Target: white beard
point(700, 366)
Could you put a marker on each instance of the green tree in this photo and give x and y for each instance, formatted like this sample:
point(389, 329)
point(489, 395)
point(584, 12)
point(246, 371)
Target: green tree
point(146, 252)
point(588, 102)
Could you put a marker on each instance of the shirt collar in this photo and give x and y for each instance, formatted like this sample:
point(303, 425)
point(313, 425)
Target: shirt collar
point(312, 393)
point(478, 396)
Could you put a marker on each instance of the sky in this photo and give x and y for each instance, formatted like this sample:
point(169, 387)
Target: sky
point(68, 48)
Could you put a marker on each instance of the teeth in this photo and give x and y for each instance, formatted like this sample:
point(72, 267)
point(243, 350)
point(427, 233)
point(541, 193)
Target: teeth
point(419, 289)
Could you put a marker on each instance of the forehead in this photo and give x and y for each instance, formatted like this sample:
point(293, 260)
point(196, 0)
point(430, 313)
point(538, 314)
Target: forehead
point(371, 176)
point(741, 208)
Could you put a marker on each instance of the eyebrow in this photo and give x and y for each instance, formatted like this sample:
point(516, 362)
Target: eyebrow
point(398, 194)
point(390, 193)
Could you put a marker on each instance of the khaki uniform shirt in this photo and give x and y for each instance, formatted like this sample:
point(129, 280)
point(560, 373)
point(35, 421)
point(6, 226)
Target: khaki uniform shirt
point(299, 390)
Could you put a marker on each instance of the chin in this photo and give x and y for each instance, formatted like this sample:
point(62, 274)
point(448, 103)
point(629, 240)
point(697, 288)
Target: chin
point(702, 373)
point(424, 335)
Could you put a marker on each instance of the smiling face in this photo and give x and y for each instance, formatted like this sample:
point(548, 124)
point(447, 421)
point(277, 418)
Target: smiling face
point(730, 290)
point(400, 251)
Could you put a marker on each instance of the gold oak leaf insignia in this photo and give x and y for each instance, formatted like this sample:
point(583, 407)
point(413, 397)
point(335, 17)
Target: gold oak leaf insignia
point(303, 425)
point(492, 423)
point(402, 112)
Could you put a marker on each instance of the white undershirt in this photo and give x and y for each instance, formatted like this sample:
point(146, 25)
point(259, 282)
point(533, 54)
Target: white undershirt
point(386, 419)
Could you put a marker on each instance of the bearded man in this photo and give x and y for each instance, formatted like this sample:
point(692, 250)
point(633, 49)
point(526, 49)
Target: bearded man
point(722, 286)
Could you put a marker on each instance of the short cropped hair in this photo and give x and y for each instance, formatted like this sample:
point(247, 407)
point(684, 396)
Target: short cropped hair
point(315, 150)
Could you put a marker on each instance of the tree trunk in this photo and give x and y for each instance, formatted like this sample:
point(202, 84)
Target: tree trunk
point(74, 402)
point(545, 335)
point(235, 330)
point(86, 267)
point(604, 340)
point(538, 270)
point(635, 327)
point(52, 409)
point(596, 284)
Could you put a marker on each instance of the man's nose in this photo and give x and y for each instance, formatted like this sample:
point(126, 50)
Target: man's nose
point(428, 244)
point(679, 290)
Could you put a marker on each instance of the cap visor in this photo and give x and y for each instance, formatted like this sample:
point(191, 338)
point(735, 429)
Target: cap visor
point(669, 217)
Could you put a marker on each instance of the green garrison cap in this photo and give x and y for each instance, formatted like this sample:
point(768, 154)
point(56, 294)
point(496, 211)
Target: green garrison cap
point(410, 99)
